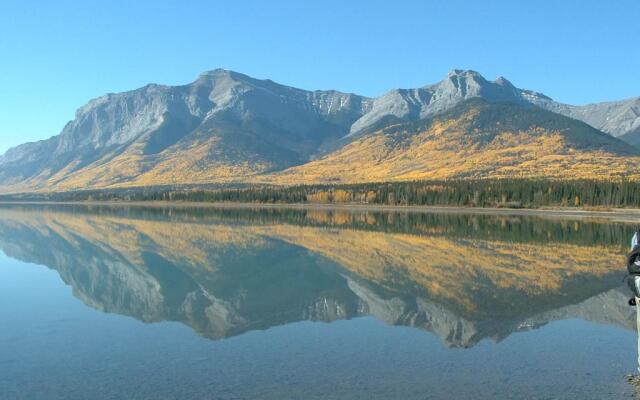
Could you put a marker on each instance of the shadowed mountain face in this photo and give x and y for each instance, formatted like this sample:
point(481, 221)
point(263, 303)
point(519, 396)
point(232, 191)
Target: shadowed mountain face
point(617, 118)
point(463, 278)
point(226, 127)
point(632, 137)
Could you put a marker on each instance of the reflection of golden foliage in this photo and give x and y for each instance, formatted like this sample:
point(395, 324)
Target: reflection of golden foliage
point(334, 217)
point(443, 267)
point(447, 268)
point(182, 243)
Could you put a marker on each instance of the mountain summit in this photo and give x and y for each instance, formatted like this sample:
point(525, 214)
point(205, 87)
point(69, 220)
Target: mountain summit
point(229, 127)
point(615, 118)
point(415, 104)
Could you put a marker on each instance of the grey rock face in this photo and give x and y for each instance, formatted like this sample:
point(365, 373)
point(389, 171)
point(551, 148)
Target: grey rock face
point(414, 104)
point(632, 137)
point(615, 118)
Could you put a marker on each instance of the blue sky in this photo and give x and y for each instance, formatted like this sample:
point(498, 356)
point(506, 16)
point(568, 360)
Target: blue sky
point(56, 55)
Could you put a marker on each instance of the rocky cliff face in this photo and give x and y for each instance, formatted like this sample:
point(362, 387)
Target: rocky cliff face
point(616, 118)
point(416, 104)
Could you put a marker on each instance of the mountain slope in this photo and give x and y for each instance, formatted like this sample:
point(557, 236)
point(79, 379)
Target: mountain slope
point(475, 139)
point(632, 137)
point(616, 118)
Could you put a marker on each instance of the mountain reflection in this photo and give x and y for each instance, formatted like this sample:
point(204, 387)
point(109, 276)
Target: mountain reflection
point(227, 271)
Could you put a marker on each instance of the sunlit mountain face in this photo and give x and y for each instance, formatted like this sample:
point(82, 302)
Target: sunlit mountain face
point(224, 272)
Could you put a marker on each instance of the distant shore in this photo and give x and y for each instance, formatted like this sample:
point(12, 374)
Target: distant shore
point(616, 214)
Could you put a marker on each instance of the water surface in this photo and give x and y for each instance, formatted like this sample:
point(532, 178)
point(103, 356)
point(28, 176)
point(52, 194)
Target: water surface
point(178, 303)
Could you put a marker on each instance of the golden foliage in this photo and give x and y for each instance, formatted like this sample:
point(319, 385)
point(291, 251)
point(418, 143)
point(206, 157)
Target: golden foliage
point(433, 154)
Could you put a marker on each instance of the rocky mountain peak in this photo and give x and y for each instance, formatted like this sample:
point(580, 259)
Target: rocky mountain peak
point(463, 73)
point(216, 71)
point(460, 84)
point(223, 74)
point(502, 81)
point(460, 77)
point(413, 104)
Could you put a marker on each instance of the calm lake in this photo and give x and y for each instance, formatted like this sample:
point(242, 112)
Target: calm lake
point(127, 302)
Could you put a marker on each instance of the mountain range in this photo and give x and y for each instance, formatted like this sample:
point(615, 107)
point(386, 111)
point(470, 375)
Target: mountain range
point(226, 127)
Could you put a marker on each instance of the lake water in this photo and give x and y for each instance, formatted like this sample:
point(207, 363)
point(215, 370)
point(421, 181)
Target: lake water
point(199, 303)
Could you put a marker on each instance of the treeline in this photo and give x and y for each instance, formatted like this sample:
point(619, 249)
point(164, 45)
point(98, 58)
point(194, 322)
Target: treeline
point(467, 193)
point(478, 193)
point(521, 229)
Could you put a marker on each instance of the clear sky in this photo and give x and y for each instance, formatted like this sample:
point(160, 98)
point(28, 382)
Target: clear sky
point(56, 55)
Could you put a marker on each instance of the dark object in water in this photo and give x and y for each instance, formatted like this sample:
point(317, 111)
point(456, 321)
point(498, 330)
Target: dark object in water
point(633, 268)
point(633, 261)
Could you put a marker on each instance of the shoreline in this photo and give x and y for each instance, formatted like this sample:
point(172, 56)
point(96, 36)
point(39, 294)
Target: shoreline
point(619, 214)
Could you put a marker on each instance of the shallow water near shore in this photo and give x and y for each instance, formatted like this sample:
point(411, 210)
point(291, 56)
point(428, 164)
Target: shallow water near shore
point(107, 302)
